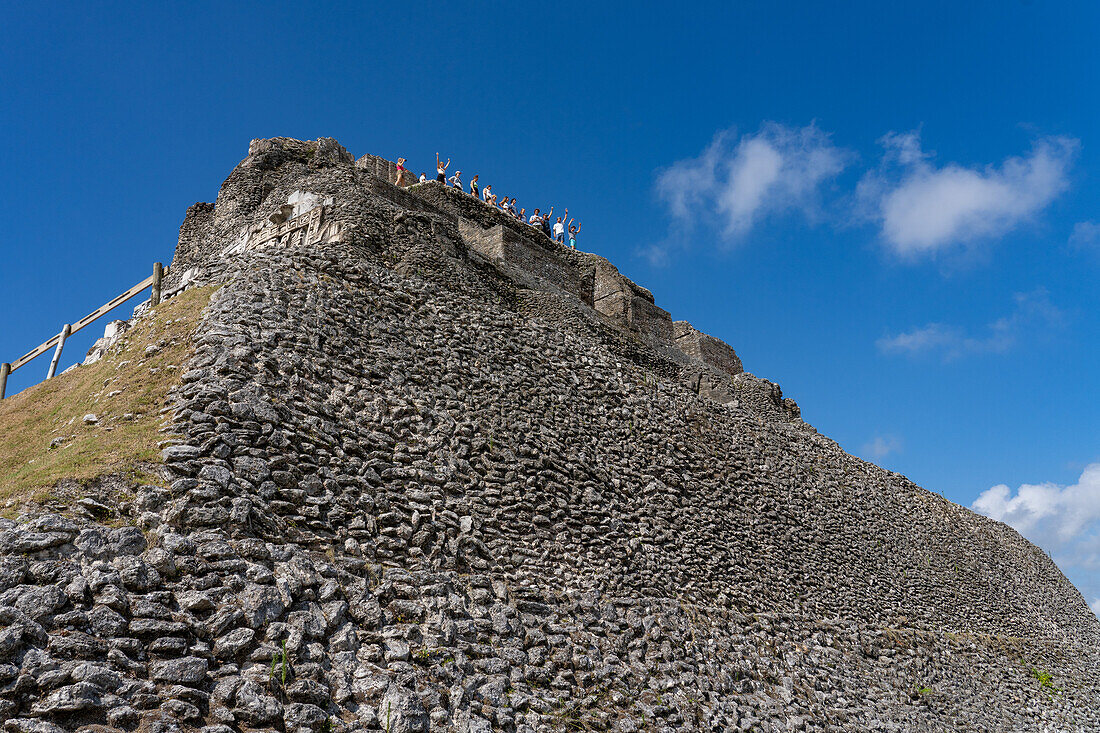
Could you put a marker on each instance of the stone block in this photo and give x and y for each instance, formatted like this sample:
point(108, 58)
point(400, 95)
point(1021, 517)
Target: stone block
point(537, 264)
point(652, 322)
point(382, 168)
point(628, 304)
point(711, 351)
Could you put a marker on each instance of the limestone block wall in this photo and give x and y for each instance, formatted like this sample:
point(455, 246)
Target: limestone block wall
point(529, 260)
point(536, 261)
point(466, 206)
point(194, 233)
point(272, 152)
point(715, 352)
point(403, 198)
point(382, 168)
point(521, 253)
point(433, 424)
point(452, 514)
point(629, 304)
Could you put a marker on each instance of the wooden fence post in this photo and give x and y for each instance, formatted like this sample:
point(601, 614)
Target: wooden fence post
point(57, 352)
point(158, 275)
point(5, 370)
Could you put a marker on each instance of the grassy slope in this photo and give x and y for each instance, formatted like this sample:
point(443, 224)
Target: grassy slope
point(129, 422)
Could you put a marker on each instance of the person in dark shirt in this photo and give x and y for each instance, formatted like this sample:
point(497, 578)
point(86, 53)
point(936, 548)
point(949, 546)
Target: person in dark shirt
point(546, 224)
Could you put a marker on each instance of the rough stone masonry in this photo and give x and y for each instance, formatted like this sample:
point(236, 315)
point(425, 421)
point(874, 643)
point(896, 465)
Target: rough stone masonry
point(434, 472)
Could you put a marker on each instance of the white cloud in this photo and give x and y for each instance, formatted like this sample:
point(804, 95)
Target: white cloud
point(1063, 520)
point(1085, 235)
point(740, 181)
point(881, 446)
point(1031, 311)
point(655, 254)
point(924, 209)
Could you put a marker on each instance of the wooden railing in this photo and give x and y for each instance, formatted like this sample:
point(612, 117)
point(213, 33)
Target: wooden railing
point(58, 341)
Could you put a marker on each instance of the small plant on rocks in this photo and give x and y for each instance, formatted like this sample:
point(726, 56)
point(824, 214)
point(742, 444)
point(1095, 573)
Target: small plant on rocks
point(280, 668)
point(1046, 679)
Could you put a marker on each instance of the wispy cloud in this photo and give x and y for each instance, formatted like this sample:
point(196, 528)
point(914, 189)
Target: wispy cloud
point(739, 181)
point(1085, 235)
point(1063, 520)
point(881, 446)
point(655, 254)
point(1031, 310)
point(924, 209)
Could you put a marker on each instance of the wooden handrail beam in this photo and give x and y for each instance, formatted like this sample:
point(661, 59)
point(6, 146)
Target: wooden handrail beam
point(100, 311)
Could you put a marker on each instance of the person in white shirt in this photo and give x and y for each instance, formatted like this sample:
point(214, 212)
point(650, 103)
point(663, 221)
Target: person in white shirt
point(559, 229)
point(423, 177)
point(535, 219)
point(456, 180)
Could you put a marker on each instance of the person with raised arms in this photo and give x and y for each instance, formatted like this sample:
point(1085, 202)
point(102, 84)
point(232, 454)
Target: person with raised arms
point(559, 229)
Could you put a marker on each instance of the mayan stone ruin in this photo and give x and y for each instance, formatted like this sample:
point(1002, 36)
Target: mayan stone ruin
point(423, 469)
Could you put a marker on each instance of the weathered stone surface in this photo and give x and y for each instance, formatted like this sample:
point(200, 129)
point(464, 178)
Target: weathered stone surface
point(233, 643)
point(187, 671)
point(444, 474)
point(82, 696)
point(401, 711)
point(180, 453)
point(713, 352)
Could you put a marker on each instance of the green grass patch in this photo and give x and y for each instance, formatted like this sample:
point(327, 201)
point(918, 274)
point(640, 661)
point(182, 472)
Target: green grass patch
point(125, 389)
point(1046, 679)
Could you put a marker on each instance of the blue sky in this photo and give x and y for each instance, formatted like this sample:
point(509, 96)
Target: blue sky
point(891, 211)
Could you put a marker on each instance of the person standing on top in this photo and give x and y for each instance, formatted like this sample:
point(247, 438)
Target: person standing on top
point(523, 215)
point(535, 219)
point(546, 223)
point(473, 187)
point(559, 229)
point(441, 169)
point(401, 173)
point(456, 180)
point(423, 177)
point(573, 234)
point(487, 193)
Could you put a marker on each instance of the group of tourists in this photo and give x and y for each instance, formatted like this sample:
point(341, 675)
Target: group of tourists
point(555, 230)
